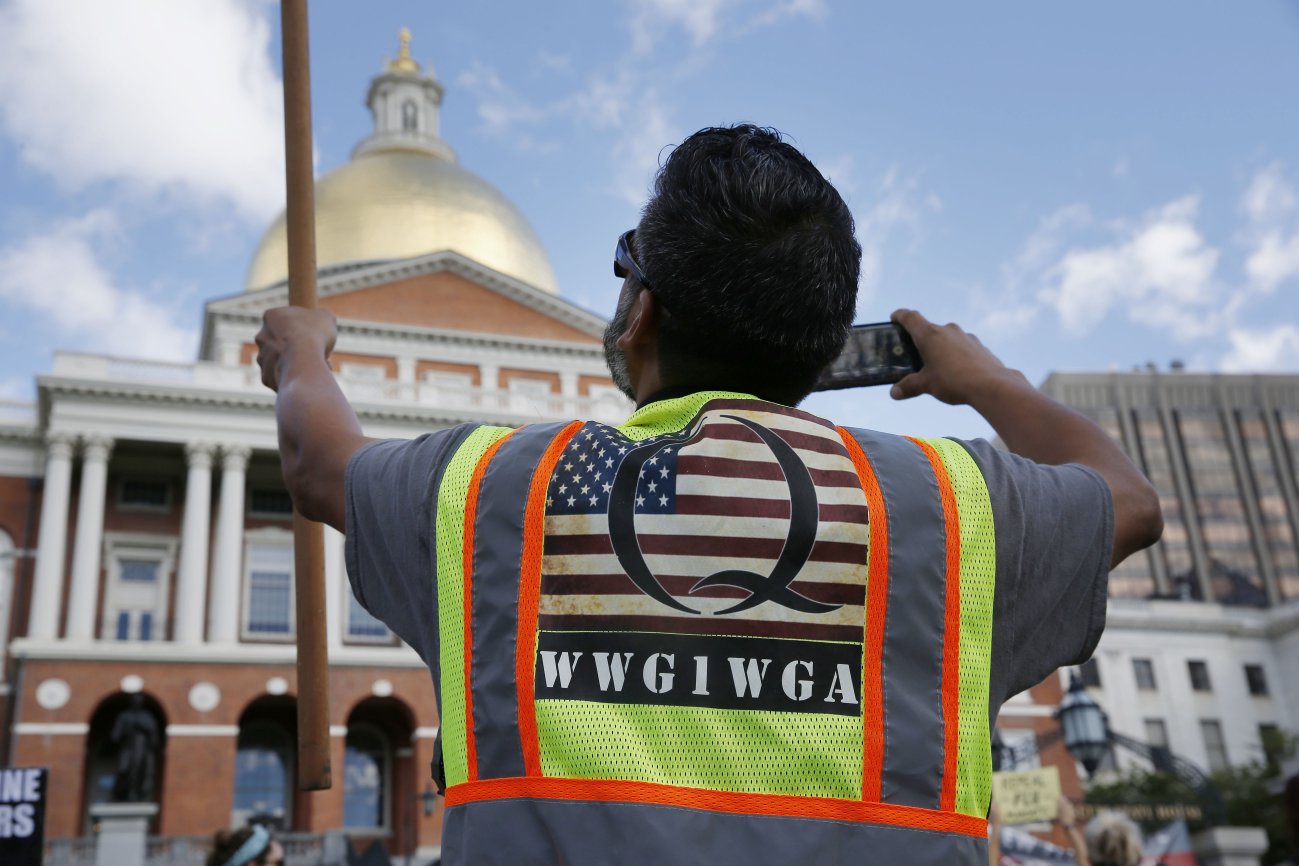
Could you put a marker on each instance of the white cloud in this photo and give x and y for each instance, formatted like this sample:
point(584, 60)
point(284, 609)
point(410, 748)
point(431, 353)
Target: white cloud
point(606, 99)
point(1159, 273)
point(637, 151)
point(699, 18)
point(840, 171)
point(1262, 349)
point(1044, 245)
point(1005, 310)
point(1269, 197)
point(59, 276)
point(161, 97)
point(814, 9)
point(702, 20)
point(622, 99)
point(619, 103)
point(898, 205)
point(499, 107)
point(1009, 318)
point(1272, 207)
point(1274, 260)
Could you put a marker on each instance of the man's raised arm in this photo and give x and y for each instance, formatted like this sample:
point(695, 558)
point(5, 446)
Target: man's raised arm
point(319, 432)
point(959, 370)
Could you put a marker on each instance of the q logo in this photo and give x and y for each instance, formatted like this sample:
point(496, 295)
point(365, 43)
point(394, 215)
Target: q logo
point(773, 587)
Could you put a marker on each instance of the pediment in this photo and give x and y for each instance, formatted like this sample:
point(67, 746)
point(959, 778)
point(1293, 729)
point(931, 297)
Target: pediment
point(449, 301)
point(442, 290)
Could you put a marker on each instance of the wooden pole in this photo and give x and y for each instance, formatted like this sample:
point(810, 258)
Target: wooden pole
point(308, 537)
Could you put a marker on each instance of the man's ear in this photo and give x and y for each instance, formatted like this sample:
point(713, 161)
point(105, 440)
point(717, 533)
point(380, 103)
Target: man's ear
point(642, 322)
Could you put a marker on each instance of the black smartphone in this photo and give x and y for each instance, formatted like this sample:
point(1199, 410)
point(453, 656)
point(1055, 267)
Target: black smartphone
point(880, 353)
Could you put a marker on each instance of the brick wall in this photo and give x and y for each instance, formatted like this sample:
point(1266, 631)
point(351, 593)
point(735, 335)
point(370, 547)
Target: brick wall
point(198, 771)
point(445, 300)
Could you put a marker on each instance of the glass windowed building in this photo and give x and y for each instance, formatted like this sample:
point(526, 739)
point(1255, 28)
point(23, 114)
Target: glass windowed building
point(1222, 450)
point(1201, 649)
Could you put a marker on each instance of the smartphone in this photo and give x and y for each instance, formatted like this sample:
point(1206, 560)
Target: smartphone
point(880, 353)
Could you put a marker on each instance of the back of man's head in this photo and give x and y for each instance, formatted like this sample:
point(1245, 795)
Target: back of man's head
point(753, 254)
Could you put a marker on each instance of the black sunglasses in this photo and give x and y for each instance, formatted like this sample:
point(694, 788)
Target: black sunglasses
point(624, 264)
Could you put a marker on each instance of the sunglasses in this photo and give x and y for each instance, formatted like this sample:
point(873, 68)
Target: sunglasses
point(624, 265)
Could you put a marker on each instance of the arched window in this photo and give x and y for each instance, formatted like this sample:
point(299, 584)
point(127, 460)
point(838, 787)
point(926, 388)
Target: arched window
point(366, 778)
point(262, 774)
point(409, 116)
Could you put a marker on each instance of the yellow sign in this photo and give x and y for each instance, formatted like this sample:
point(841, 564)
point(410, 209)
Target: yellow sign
point(1027, 796)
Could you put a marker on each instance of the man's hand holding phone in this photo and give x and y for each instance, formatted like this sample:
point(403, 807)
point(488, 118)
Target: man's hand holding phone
point(958, 369)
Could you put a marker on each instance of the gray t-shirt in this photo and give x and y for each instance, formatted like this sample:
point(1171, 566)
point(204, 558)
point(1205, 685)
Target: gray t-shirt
point(1054, 533)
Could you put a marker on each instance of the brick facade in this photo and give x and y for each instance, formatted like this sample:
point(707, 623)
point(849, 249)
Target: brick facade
point(198, 759)
point(446, 300)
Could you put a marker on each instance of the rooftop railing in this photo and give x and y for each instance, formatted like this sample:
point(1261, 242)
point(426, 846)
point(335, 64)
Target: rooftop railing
point(528, 406)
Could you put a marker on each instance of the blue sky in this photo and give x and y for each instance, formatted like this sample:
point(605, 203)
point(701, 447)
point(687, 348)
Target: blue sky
point(1086, 186)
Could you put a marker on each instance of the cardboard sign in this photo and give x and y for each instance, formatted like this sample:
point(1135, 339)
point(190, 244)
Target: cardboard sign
point(22, 816)
point(1027, 796)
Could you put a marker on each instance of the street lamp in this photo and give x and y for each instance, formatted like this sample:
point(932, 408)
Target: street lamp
point(428, 800)
point(1086, 729)
point(1088, 738)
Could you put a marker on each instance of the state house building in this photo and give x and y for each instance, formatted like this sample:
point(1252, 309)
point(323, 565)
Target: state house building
point(145, 532)
point(145, 544)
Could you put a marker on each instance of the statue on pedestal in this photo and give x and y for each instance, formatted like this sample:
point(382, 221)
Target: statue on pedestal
point(135, 734)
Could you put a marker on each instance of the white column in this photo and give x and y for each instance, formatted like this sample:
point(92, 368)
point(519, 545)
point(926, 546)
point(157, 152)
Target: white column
point(489, 377)
point(51, 544)
point(335, 611)
point(83, 596)
point(194, 544)
point(227, 556)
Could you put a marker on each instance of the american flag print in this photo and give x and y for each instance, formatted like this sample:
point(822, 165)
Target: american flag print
point(749, 521)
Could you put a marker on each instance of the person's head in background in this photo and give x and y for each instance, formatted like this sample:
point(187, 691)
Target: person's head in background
point(1113, 839)
point(250, 846)
point(750, 264)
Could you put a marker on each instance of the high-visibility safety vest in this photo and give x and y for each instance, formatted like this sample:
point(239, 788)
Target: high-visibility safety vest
point(725, 632)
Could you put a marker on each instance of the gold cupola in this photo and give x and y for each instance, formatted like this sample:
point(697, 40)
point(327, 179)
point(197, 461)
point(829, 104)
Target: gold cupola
point(403, 194)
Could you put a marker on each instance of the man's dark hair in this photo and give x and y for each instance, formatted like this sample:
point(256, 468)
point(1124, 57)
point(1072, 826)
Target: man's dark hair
point(753, 254)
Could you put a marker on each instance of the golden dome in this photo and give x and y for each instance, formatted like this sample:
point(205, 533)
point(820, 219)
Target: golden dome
point(403, 195)
point(395, 204)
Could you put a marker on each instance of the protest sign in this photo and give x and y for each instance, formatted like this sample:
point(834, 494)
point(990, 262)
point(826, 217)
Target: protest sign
point(1028, 795)
point(22, 816)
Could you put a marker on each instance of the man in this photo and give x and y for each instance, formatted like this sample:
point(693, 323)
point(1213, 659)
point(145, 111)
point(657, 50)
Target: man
point(726, 631)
